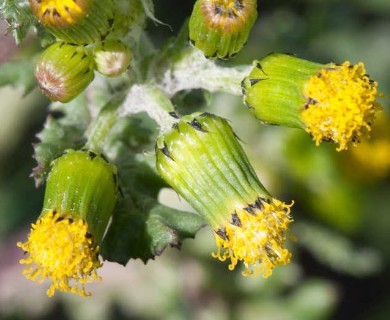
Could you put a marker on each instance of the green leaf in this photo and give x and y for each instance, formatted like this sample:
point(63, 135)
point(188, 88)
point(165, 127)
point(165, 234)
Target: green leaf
point(141, 227)
point(144, 233)
point(19, 17)
point(19, 74)
point(64, 129)
point(149, 11)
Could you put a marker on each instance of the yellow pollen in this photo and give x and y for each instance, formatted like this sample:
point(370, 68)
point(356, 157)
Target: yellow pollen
point(341, 104)
point(256, 238)
point(61, 249)
point(60, 12)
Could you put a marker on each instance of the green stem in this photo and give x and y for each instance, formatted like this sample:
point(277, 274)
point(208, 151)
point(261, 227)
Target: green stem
point(101, 126)
point(193, 71)
point(147, 98)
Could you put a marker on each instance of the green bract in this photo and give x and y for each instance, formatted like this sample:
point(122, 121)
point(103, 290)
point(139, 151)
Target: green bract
point(220, 28)
point(64, 70)
point(273, 90)
point(82, 184)
point(203, 161)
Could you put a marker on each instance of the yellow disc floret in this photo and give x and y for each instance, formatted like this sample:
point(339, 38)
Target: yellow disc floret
point(340, 104)
point(61, 249)
point(255, 235)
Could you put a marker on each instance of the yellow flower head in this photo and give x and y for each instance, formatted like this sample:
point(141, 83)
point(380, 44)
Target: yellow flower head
point(331, 102)
point(340, 104)
point(62, 249)
point(75, 21)
point(255, 235)
point(63, 245)
point(60, 12)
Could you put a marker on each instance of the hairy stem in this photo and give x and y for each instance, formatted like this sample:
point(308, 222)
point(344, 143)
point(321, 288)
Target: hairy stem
point(193, 71)
point(149, 99)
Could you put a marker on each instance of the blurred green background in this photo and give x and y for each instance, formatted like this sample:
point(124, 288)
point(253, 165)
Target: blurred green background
point(340, 267)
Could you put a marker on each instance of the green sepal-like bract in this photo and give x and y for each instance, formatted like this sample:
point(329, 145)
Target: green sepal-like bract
point(203, 161)
point(82, 184)
point(273, 90)
point(220, 28)
point(64, 70)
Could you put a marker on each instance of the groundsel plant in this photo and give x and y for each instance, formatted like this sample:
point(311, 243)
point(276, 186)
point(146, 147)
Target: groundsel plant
point(114, 92)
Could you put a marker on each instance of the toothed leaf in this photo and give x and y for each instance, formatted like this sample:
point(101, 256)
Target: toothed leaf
point(19, 17)
point(64, 129)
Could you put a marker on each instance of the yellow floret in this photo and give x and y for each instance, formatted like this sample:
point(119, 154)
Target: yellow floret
point(59, 12)
point(61, 249)
point(255, 236)
point(340, 104)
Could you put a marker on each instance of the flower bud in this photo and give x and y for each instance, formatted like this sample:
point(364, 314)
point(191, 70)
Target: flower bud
point(64, 70)
point(112, 58)
point(79, 22)
point(331, 102)
point(63, 245)
point(202, 160)
point(220, 28)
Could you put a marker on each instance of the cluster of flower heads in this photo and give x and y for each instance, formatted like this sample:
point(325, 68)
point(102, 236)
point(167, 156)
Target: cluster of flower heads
point(83, 30)
point(200, 156)
point(331, 102)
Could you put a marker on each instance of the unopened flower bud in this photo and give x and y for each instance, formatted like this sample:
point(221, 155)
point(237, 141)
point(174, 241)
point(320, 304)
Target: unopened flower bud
point(220, 28)
point(64, 70)
point(112, 58)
